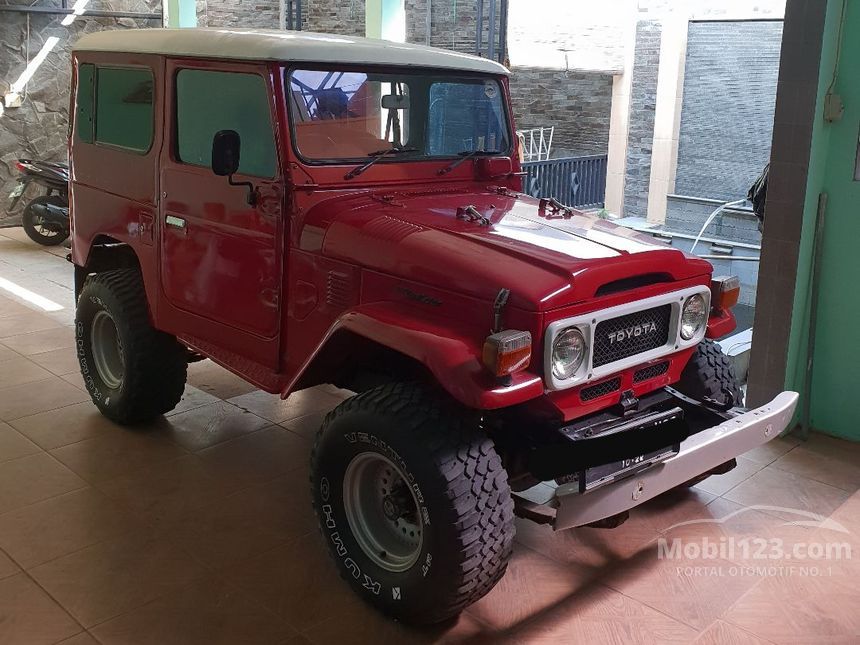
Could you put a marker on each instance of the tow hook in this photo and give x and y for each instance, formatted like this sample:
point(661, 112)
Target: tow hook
point(628, 403)
point(722, 469)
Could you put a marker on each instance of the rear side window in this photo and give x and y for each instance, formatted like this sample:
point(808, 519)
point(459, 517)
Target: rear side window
point(124, 112)
point(84, 116)
point(207, 102)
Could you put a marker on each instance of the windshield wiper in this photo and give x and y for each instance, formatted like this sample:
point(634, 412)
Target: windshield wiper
point(374, 157)
point(464, 155)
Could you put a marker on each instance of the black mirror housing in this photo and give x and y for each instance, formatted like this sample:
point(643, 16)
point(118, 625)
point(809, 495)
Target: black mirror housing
point(226, 145)
point(225, 160)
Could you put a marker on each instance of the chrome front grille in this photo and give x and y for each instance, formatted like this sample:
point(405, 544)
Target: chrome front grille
point(636, 335)
point(631, 334)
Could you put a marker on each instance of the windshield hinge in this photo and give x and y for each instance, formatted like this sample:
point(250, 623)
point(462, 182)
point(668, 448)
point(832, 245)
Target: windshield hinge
point(309, 183)
point(389, 200)
point(472, 214)
point(504, 190)
point(555, 207)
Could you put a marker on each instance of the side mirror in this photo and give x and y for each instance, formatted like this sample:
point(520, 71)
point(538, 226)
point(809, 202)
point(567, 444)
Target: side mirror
point(226, 145)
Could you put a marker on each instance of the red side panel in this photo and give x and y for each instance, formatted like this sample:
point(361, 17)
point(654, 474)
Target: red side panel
point(114, 191)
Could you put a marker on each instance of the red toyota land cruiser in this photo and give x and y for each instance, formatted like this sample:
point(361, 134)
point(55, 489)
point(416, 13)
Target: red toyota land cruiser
point(307, 208)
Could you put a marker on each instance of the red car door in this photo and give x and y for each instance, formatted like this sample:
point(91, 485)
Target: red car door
point(221, 256)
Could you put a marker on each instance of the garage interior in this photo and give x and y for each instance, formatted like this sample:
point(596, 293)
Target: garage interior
point(199, 528)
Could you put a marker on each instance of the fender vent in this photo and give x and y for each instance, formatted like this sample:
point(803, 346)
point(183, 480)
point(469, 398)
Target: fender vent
point(338, 289)
point(601, 389)
point(652, 371)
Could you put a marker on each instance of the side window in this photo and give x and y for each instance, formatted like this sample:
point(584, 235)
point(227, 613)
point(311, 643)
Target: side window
point(124, 112)
point(207, 102)
point(84, 118)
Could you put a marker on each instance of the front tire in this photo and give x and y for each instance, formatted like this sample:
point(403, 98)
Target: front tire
point(132, 371)
point(710, 375)
point(413, 502)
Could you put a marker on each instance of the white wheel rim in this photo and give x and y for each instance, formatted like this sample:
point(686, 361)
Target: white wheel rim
point(107, 350)
point(382, 512)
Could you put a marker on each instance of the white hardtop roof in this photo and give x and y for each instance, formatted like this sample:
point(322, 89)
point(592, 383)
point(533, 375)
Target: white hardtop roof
point(275, 45)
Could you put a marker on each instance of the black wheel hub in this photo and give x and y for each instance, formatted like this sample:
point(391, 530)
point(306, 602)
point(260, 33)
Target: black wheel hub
point(391, 508)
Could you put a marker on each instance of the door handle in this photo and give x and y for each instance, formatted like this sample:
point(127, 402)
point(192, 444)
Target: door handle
point(176, 222)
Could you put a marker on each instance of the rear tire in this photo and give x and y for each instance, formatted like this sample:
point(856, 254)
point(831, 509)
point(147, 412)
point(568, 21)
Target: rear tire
point(132, 371)
point(31, 220)
point(710, 375)
point(413, 502)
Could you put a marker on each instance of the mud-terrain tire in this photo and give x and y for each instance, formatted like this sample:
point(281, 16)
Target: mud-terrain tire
point(710, 374)
point(31, 221)
point(446, 482)
point(132, 371)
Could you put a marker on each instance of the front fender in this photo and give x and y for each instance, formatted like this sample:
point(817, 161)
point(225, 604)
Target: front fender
point(451, 353)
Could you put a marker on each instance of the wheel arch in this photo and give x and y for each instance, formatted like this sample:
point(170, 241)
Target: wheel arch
point(409, 348)
point(105, 254)
point(360, 363)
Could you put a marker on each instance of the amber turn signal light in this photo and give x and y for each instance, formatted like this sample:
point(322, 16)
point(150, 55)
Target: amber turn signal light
point(725, 291)
point(507, 352)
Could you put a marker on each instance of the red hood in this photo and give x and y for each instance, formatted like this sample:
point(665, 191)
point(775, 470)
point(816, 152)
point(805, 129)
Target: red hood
point(547, 261)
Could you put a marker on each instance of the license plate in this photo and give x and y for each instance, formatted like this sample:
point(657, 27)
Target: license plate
point(598, 476)
point(18, 191)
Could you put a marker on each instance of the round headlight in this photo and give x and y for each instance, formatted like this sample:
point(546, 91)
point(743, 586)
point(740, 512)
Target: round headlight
point(568, 351)
point(693, 317)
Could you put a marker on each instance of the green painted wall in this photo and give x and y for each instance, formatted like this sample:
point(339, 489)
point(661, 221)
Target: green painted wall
point(385, 19)
point(836, 371)
point(181, 13)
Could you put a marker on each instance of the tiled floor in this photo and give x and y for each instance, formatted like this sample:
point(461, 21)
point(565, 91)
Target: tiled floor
point(198, 529)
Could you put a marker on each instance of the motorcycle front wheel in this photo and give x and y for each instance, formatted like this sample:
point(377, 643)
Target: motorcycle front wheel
point(38, 227)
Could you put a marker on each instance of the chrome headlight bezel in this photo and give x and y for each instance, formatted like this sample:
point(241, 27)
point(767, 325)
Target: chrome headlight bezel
point(573, 336)
point(699, 317)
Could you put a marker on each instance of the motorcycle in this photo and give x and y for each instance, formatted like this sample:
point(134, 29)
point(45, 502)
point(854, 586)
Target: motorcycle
point(46, 217)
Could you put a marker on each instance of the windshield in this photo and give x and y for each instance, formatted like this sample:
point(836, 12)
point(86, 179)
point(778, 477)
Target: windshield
point(342, 116)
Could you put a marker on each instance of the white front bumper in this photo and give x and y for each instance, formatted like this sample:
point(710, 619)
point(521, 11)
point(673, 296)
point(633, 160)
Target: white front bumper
point(700, 453)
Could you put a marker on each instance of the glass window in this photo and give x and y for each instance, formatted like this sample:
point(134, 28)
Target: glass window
point(466, 116)
point(211, 101)
point(340, 115)
point(349, 115)
point(124, 113)
point(84, 122)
